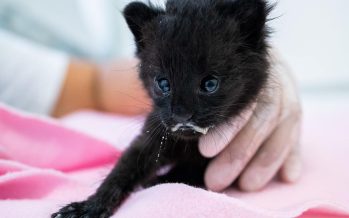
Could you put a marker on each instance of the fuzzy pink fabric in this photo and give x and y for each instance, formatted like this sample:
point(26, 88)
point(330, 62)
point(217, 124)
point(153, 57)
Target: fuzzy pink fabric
point(45, 164)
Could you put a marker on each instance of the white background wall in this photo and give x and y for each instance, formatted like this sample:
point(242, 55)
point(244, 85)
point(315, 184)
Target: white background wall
point(312, 35)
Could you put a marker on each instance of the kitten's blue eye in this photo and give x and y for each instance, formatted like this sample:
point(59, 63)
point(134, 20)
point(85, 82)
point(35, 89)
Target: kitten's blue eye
point(164, 85)
point(209, 84)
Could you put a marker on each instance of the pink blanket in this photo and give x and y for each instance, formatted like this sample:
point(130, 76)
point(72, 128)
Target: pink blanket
point(45, 164)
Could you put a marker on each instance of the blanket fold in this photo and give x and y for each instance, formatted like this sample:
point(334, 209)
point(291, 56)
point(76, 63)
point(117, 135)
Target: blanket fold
point(45, 164)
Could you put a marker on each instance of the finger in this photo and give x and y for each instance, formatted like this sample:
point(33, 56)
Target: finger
point(270, 157)
point(292, 168)
point(228, 165)
point(217, 139)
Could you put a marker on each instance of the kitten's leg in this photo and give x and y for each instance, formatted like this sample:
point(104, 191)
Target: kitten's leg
point(132, 168)
point(183, 173)
point(189, 168)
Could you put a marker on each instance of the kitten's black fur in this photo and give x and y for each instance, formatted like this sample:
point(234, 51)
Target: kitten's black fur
point(185, 43)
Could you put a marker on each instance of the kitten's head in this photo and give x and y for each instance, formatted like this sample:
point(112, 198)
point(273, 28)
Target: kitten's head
point(202, 61)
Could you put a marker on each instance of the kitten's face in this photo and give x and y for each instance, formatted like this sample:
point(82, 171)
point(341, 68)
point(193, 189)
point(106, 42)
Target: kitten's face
point(199, 70)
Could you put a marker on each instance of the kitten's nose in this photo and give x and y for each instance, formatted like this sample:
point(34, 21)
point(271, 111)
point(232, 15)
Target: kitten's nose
point(181, 115)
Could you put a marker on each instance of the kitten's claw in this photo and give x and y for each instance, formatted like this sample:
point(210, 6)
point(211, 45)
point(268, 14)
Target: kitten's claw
point(82, 210)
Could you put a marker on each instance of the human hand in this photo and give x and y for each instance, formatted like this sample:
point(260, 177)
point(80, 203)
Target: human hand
point(262, 142)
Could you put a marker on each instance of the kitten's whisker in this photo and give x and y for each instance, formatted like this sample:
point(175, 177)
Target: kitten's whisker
point(155, 131)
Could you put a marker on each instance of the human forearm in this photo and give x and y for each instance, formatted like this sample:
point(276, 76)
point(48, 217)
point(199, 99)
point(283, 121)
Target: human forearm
point(78, 90)
point(109, 87)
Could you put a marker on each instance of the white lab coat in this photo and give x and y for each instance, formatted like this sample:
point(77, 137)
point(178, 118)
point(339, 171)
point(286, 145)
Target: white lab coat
point(38, 36)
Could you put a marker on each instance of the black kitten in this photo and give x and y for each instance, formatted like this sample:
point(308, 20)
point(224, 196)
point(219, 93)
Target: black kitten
point(202, 62)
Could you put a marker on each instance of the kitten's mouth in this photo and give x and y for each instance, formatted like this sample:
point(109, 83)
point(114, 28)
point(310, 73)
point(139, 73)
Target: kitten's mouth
point(189, 127)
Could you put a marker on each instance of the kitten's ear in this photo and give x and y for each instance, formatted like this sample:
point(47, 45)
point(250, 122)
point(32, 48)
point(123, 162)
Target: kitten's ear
point(251, 14)
point(137, 14)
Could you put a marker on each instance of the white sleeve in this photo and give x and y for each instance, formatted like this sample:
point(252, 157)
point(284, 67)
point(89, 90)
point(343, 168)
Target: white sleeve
point(31, 76)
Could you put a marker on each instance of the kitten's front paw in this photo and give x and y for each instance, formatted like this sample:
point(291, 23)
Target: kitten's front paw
point(82, 210)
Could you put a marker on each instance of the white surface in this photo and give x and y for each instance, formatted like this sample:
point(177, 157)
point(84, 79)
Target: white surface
point(313, 35)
